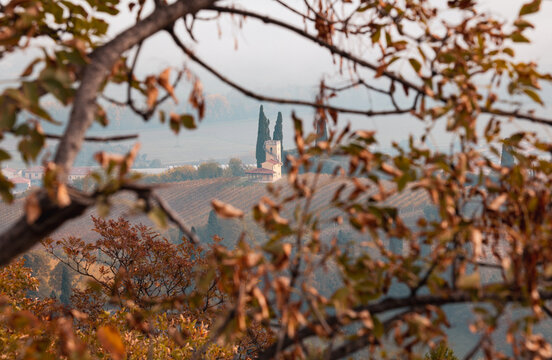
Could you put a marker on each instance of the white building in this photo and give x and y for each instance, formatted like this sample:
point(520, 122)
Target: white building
point(271, 169)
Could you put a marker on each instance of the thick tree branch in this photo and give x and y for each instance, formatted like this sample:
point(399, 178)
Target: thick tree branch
point(21, 236)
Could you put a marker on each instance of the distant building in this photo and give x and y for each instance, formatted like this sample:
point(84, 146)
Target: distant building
point(10, 173)
point(78, 173)
point(21, 184)
point(34, 174)
point(271, 169)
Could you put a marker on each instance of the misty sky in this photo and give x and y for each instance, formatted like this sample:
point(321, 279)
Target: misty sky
point(276, 62)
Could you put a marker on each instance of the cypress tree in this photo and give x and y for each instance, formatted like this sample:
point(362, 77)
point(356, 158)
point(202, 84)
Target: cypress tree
point(263, 134)
point(65, 297)
point(321, 130)
point(278, 133)
point(506, 158)
point(213, 226)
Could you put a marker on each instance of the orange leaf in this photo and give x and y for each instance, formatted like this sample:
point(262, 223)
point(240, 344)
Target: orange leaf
point(32, 208)
point(497, 202)
point(163, 81)
point(151, 91)
point(110, 339)
point(226, 211)
point(63, 198)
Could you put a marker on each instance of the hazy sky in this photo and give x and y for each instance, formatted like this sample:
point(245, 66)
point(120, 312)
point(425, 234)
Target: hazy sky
point(276, 62)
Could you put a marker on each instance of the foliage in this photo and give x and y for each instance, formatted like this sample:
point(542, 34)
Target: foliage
point(208, 170)
point(236, 167)
point(440, 352)
point(484, 241)
point(263, 134)
point(278, 132)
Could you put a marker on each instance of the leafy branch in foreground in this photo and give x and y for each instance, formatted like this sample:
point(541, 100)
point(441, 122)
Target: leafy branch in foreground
point(482, 240)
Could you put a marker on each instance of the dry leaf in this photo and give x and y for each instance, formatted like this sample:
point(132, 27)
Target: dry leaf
point(32, 208)
point(390, 170)
point(477, 240)
point(497, 202)
point(110, 339)
point(151, 91)
point(163, 81)
point(62, 197)
point(226, 211)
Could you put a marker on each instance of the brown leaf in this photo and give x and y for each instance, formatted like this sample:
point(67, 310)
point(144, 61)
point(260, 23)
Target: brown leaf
point(197, 99)
point(497, 202)
point(226, 211)
point(110, 339)
point(163, 81)
point(151, 91)
point(32, 208)
point(390, 170)
point(62, 196)
point(477, 240)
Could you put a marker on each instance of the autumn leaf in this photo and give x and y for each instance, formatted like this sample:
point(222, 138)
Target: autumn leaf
point(226, 211)
point(529, 8)
point(468, 282)
point(62, 196)
point(497, 202)
point(477, 239)
point(151, 91)
point(110, 339)
point(32, 208)
point(163, 81)
point(158, 217)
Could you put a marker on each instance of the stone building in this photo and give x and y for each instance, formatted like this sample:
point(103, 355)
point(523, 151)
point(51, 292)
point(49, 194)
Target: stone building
point(271, 169)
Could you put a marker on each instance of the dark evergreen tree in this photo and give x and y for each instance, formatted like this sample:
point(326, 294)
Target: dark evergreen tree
point(278, 133)
point(321, 130)
point(263, 134)
point(506, 158)
point(53, 295)
point(213, 226)
point(65, 296)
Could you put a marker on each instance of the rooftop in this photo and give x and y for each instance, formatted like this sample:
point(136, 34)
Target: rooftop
point(259, 171)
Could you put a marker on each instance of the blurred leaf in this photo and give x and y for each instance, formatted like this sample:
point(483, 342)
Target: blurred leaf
point(158, 217)
point(530, 7)
point(110, 339)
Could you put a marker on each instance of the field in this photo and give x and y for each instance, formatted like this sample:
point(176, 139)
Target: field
point(192, 200)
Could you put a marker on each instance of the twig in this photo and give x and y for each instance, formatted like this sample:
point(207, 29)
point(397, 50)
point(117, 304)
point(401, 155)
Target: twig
point(98, 138)
point(257, 96)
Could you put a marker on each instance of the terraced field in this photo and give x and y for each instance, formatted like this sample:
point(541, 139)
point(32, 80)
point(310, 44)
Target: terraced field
point(191, 199)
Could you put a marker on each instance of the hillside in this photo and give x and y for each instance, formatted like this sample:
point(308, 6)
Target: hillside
point(191, 199)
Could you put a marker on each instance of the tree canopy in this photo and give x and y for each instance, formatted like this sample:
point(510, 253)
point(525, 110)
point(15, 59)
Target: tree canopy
point(483, 239)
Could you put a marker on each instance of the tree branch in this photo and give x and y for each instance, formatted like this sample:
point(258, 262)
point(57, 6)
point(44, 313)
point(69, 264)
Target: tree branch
point(347, 55)
point(391, 303)
point(260, 97)
point(21, 236)
point(98, 138)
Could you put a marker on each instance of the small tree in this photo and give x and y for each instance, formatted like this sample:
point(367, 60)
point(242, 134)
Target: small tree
point(213, 226)
point(278, 133)
point(236, 167)
point(209, 170)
